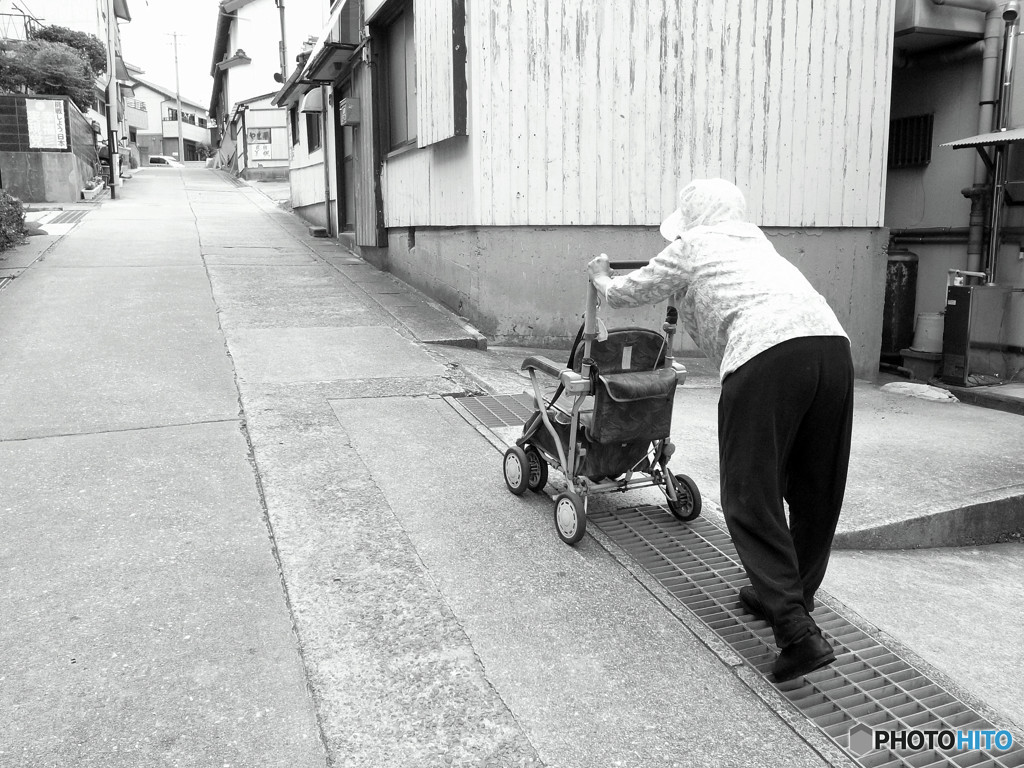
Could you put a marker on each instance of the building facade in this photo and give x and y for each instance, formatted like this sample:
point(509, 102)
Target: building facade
point(160, 134)
point(248, 66)
point(485, 152)
point(952, 118)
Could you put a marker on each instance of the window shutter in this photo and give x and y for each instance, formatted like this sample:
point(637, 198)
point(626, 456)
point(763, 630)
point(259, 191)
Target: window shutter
point(440, 39)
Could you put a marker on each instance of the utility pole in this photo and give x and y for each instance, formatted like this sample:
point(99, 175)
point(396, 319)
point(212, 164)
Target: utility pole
point(113, 97)
point(177, 94)
point(284, 52)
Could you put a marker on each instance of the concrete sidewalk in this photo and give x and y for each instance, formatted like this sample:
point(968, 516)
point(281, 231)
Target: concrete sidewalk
point(243, 527)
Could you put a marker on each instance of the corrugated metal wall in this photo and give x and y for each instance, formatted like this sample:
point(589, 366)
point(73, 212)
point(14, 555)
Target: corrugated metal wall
point(592, 113)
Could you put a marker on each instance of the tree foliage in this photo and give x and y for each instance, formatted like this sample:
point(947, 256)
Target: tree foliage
point(90, 46)
point(49, 69)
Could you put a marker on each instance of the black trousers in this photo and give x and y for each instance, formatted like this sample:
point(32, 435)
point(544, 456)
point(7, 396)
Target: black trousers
point(785, 419)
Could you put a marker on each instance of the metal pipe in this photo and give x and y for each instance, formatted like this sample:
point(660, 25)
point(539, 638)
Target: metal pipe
point(974, 5)
point(324, 97)
point(113, 156)
point(284, 51)
point(904, 60)
point(989, 82)
point(946, 234)
point(1009, 15)
point(976, 227)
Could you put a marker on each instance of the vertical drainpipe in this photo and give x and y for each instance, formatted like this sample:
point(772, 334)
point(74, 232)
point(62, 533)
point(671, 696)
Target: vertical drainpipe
point(324, 104)
point(113, 98)
point(1009, 15)
point(980, 190)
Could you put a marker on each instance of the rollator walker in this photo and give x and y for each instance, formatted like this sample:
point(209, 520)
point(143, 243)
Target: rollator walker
point(610, 431)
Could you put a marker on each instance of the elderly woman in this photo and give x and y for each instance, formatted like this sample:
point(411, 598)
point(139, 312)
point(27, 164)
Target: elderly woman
point(786, 409)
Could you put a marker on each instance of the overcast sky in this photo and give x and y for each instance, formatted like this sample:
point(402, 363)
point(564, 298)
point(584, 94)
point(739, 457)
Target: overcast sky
point(146, 42)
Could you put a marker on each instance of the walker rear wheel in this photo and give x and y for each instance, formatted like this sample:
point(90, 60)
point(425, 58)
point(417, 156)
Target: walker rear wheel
point(517, 470)
point(570, 519)
point(538, 476)
point(687, 505)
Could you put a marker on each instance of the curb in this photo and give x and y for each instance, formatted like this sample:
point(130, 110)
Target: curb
point(985, 522)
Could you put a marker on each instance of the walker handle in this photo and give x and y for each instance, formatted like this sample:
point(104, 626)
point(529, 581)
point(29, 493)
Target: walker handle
point(627, 265)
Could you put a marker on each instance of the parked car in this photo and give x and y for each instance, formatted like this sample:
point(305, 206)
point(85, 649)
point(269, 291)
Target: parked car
point(165, 161)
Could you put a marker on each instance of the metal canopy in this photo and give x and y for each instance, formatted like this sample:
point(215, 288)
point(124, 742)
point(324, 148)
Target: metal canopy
point(996, 138)
point(328, 57)
point(325, 66)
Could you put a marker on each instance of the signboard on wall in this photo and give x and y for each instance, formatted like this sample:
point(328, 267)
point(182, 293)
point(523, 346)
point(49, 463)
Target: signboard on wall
point(46, 126)
point(257, 135)
point(260, 151)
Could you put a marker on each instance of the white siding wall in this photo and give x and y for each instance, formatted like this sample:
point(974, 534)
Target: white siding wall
point(594, 113)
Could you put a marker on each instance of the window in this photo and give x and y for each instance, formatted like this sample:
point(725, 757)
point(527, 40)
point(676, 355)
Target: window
point(201, 122)
point(293, 122)
point(157, 161)
point(401, 80)
point(188, 117)
point(172, 114)
point(313, 131)
point(910, 141)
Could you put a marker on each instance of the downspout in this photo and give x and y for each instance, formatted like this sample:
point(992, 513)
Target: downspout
point(1010, 13)
point(113, 99)
point(978, 191)
point(327, 168)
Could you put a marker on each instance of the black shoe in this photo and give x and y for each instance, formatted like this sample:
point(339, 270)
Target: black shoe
point(752, 603)
point(799, 658)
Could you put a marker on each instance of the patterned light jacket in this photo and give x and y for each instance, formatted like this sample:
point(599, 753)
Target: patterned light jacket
point(739, 296)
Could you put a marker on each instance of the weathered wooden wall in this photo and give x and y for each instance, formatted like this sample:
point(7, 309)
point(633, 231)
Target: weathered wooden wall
point(435, 99)
point(367, 204)
point(588, 113)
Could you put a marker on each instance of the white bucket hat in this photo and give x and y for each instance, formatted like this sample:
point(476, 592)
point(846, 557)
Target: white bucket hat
point(704, 202)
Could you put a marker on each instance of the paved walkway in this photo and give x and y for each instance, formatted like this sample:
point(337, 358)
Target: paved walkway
point(242, 527)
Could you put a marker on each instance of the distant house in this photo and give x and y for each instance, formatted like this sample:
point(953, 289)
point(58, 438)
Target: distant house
point(250, 133)
point(160, 135)
point(484, 152)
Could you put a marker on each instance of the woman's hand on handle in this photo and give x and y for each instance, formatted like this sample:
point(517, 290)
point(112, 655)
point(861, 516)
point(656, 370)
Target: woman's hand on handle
point(598, 268)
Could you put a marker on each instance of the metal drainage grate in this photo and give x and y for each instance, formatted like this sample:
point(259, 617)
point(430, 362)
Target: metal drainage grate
point(499, 410)
point(868, 683)
point(68, 217)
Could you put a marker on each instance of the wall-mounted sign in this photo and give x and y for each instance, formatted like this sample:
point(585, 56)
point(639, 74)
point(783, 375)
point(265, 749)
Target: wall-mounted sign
point(260, 152)
point(257, 135)
point(46, 129)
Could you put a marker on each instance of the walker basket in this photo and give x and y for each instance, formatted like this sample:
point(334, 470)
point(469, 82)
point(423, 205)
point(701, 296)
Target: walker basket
point(632, 406)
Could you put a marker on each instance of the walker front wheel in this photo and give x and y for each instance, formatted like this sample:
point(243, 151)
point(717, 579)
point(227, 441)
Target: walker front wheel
point(517, 470)
point(687, 505)
point(570, 519)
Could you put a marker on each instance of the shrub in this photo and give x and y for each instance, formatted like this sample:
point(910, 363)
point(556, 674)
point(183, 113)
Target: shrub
point(12, 221)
